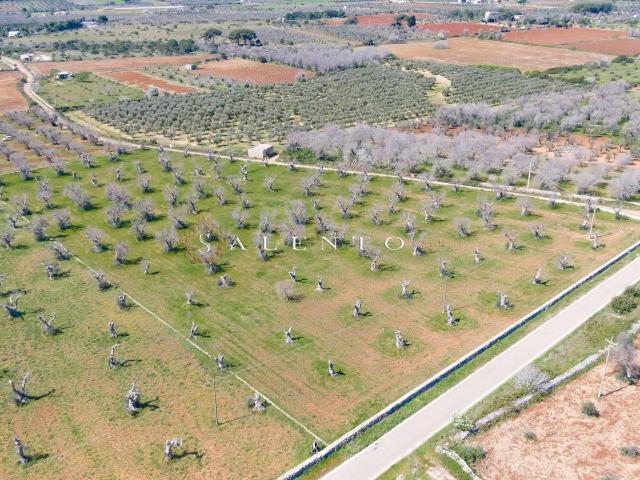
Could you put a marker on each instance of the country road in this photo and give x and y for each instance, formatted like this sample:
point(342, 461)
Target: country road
point(571, 198)
point(415, 430)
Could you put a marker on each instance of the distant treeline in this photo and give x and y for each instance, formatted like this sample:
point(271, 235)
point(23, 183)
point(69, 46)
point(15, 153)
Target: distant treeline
point(300, 15)
point(49, 27)
point(117, 47)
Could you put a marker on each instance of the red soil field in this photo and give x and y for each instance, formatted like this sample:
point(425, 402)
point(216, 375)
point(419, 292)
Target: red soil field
point(621, 46)
point(612, 42)
point(473, 51)
point(10, 98)
point(569, 444)
point(144, 82)
point(241, 70)
point(561, 36)
point(115, 64)
point(458, 29)
point(387, 19)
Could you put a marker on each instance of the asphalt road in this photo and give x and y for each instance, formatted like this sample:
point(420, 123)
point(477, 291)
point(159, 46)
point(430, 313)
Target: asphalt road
point(415, 430)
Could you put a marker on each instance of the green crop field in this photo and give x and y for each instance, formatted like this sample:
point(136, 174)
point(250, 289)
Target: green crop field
point(246, 322)
point(88, 89)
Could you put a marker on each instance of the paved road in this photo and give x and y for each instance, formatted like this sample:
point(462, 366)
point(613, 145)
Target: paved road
point(415, 430)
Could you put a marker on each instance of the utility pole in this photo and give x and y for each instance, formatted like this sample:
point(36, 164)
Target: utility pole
point(610, 344)
point(529, 175)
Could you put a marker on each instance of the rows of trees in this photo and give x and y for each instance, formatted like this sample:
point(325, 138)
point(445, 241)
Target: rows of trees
point(315, 57)
point(608, 109)
point(487, 84)
point(478, 156)
point(372, 94)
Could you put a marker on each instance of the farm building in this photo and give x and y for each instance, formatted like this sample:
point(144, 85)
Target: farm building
point(14, 34)
point(190, 66)
point(26, 57)
point(63, 75)
point(262, 150)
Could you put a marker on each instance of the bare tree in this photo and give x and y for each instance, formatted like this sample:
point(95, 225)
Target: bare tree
point(95, 236)
point(268, 183)
point(524, 204)
point(626, 354)
point(344, 205)
point(23, 459)
point(19, 395)
point(531, 379)
point(169, 447)
point(112, 362)
point(79, 197)
point(133, 400)
point(285, 290)
point(60, 252)
point(168, 239)
point(462, 225)
point(120, 250)
point(47, 323)
point(399, 342)
point(63, 219)
point(101, 281)
point(38, 228)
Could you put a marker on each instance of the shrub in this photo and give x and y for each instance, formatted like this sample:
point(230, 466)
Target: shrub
point(630, 451)
point(471, 453)
point(590, 410)
point(530, 436)
point(624, 303)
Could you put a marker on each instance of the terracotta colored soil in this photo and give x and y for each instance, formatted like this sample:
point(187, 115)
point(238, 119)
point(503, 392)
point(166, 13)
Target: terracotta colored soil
point(144, 82)
point(561, 36)
point(115, 64)
point(471, 51)
point(612, 42)
point(10, 98)
point(621, 46)
point(458, 29)
point(569, 444)
point(241, 70)
point(385, 19)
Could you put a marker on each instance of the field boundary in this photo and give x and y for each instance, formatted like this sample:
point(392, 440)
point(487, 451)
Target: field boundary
point(447, 371)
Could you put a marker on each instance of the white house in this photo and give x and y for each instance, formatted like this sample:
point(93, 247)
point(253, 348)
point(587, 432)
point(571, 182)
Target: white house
point(190, 66)
point(26, 57)
point(262, 150)
point(14, 34)
point(63, 75)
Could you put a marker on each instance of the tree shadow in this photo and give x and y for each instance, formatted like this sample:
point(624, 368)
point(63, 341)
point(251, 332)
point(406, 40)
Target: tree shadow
point(194, 453)
point(43, 395)
point(127, 362)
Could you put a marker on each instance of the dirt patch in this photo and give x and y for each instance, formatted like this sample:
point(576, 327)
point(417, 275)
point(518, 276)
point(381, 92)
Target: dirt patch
point(144, 82)
point(569, 445)
point(115, 64)
point(561, 36)
point(471, 51)
point(621, 46)
point(612, 42)
point(458, 29)
point(11, 99)
point(241, 70)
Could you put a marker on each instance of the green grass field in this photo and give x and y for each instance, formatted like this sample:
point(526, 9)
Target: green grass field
point(593, 74)
point(79, 92)
point(246, 322)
